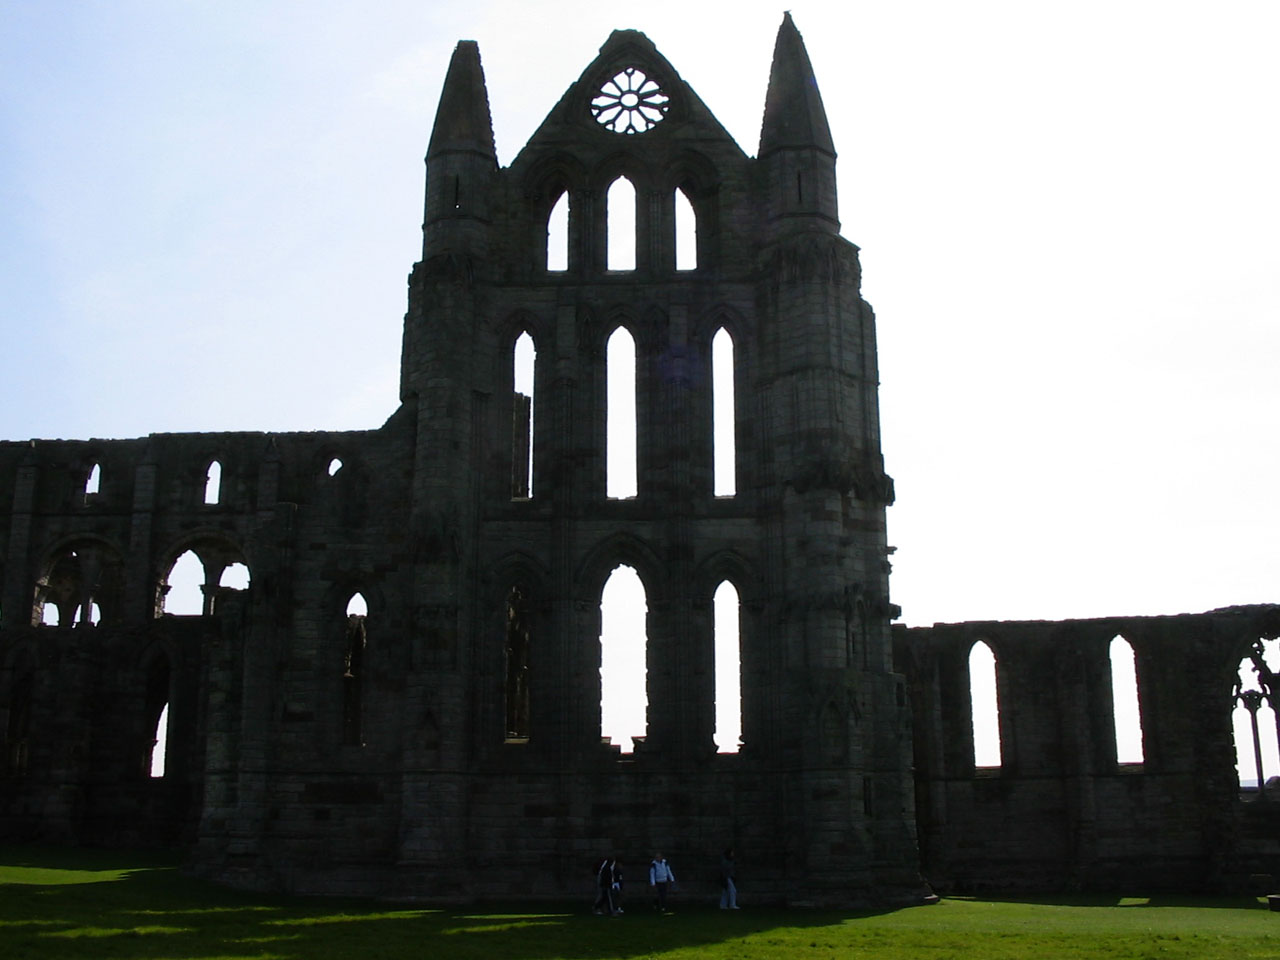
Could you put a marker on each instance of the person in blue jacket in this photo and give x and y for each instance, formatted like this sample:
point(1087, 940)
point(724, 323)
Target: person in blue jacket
point(660, 878)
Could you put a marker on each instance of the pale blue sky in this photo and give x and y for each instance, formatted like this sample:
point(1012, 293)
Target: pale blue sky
point(1068, 215)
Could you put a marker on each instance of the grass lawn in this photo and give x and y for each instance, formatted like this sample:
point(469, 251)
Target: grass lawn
point(76, 903)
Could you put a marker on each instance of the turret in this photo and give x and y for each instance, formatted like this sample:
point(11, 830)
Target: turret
point(461, 160)
point(795, 142)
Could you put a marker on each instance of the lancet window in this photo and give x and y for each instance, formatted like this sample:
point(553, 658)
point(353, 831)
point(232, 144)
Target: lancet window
point(517, 650)
point(724, 426)
point(728, 659)
point(524, 363)
point(355, 640)
point(985, 703)
point(624, 700)
point(686, 232)
point(558, 235)
point(620, 236)
point(620, 429)
point(213, 483)
point(1125, 708)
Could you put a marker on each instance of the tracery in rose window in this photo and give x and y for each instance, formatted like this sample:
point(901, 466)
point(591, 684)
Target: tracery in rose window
point(630, 103)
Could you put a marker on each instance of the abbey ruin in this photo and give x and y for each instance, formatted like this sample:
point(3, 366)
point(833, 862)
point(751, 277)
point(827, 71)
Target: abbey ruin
point(452, 725)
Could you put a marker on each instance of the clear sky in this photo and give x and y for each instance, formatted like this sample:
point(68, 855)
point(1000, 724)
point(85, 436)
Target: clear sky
point(1068, 214)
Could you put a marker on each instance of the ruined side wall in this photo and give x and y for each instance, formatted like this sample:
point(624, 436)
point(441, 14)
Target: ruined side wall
point(78, 700)
point(1060, 812)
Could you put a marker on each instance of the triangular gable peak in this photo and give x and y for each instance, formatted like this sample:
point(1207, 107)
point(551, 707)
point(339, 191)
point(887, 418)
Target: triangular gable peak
point(629, 103)
point(628, 115)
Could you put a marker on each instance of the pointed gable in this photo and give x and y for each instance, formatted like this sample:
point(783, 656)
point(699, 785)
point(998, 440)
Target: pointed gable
point(629, 96)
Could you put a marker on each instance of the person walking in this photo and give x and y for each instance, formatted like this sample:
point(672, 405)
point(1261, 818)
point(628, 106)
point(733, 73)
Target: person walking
point(728, 892)
point(661, 877)
point(604, 887)
point(617, 885)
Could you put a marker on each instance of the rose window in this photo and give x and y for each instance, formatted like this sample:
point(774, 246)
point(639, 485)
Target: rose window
point(629, 103)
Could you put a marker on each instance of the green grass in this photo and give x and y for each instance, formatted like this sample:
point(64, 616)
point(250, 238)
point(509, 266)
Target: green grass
point(101, 904)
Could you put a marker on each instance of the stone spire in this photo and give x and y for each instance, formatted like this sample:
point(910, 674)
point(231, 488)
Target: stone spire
point(795, 142)
point(463, 124)
point(461, 159)
point(793, 112)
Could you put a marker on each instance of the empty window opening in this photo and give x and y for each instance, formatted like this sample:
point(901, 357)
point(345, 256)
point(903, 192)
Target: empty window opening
point(728, 669)
point(95, 614)
point(235, 577)
point(686, 233)
point(93, 482)
point(523, 362)
point(558, 235)
point(620, 236)
point(1124, 702)
point(213, 482)
point(156, 718)
point(357, 607)
point(624, 698)
point(1255, 722)
point(356, 639)
point(334, 466)
point(517, 664)
point(160, 743)
point(50, 614)
point(184, 596)
point(986, 706)
point(620, 405)
point(724, 426)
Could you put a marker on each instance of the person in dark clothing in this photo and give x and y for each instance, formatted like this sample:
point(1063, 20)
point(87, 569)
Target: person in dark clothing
point(617, 885)
point(604, 887)
point(728, 892)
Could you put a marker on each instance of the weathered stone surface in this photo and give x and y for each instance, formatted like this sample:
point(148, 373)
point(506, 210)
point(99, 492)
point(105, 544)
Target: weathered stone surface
point(1060, 812)
point(447, 743)
point(401, 753)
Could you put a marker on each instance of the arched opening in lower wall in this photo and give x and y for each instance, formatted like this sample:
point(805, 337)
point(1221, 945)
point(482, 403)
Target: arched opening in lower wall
point(1255, 723)
point(624, 699)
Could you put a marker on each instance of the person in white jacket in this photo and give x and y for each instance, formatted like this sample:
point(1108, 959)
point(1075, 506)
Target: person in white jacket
point(660, 878)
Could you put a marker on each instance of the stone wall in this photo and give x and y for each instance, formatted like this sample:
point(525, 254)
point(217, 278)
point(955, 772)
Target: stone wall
point(1060, 812)
point(383, 753)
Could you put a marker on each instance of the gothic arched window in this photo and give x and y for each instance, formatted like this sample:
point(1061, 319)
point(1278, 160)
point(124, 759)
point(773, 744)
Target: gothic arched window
point(213, 483)
point(1124, 702)
point(184, 587)
point(355, 638)
point(516, 655)
point(1255, 719)
point(686, 232)
point(524, 362)
point(93, 482)
point(620, 409)
point(558, 235)
point(18, 731)
point(723, 426)
point(620, 231)
point(985, 705)
point(728, 643)
point(624, 698)
point(155, 718)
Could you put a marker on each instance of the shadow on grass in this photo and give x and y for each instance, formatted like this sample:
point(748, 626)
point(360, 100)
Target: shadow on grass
point(100, 904)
